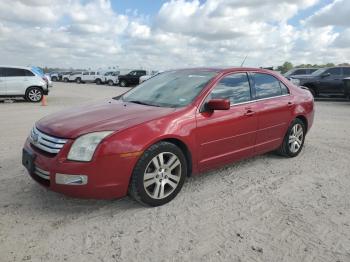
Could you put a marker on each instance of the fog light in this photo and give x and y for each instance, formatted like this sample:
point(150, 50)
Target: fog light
point(65, 179)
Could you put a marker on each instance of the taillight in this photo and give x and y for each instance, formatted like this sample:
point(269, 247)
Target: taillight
point(45, 79)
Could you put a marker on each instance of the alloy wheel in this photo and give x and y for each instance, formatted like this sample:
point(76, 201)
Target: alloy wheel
point(296, 138)
point(162, 175)
point(34, 95)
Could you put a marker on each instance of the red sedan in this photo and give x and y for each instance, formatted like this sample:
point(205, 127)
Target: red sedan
point(176, 124)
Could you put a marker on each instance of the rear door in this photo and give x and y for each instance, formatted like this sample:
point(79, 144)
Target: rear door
point(2, 82)
point(17, 80)
point(273, 107)
point(227, 135)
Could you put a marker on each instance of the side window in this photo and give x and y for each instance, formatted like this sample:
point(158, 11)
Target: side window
point(346, 71)
point(234, 87)
point(285, 90)
point(12, 72)
point(334, 71)
point(266, 86)
point(2, 72)
point(300, 72)
point(85, 73)
point(28, 73)
point(92, 73)
point(98, 73)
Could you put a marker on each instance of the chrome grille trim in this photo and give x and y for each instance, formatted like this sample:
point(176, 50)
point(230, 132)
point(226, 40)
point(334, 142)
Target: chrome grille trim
point(45, 142)
point(42, 173)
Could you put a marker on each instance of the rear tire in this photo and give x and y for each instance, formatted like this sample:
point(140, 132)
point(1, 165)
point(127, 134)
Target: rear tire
point(293, 141)
point(54, 78)
point(110, 83)
point(158, 175)
point(123, 83)
point(34, 94)
point(65, 80)
point(98, 81)
point(78, 80)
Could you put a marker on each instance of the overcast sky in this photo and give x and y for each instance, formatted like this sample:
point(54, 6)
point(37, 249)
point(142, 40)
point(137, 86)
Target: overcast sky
point(167, 34)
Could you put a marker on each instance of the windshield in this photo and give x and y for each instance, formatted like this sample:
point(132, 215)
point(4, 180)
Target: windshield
point(170, 89)
point(319, 71)
point(288, 73)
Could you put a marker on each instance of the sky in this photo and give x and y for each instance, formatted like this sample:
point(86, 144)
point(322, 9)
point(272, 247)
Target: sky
point(161, 34)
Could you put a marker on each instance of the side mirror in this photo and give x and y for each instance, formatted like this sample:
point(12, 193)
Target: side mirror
point(218, 104)
point(326, 74)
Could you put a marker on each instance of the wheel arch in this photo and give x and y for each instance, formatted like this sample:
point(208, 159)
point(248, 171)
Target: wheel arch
point(184, 148)
point(304, 120)
point(27, 89)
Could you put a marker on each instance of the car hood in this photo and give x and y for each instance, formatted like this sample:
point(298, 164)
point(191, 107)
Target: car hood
point(108, 115)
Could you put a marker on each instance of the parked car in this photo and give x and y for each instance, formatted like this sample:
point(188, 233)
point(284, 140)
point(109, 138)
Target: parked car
point(132, 78)
point(148, 76)
point(91, 77)
point(41, 73)
point(174, 125)
point(112, 79)
point(299, 71)
point(73, 77)
point(327, 81)
point(26, 82)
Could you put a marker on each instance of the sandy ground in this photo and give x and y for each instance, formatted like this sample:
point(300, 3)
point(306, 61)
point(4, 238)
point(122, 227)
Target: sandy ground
point(263, 209)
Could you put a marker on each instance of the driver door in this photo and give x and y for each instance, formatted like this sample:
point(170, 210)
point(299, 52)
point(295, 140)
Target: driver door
point(332, 83)
point(228, 135)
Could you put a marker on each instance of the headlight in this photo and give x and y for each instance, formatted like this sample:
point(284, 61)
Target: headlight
point(84, 147)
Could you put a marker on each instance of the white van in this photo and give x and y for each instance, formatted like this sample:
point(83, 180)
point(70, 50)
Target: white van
point(18, 81)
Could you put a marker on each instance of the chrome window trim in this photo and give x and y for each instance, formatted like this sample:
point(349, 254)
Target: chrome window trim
point(257, 100)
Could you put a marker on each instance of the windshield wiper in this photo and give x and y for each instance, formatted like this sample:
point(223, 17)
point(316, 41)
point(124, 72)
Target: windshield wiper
point(141, 103)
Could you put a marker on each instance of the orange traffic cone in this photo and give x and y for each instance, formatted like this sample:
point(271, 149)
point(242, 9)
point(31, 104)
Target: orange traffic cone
point(44, 101)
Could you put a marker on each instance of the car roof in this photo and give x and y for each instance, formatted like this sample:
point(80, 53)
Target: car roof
point(227, 69)
point(19, 67)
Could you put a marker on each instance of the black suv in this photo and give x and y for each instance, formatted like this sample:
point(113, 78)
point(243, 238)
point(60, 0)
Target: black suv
point(132, 78)
point(325, 81)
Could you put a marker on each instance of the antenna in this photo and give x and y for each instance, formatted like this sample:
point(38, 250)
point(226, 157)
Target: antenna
point(244, 60)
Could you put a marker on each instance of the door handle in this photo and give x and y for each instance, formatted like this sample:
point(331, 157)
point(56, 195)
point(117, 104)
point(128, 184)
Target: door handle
point(249, 112)
point(290, 103)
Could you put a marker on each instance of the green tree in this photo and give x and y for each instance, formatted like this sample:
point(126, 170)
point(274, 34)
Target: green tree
point(285, 67)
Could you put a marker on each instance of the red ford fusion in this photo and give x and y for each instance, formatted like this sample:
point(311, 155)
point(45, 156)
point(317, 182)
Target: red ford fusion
point(176, 124)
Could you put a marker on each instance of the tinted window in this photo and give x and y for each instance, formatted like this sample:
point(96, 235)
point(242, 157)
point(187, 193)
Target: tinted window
point(266, 86)
point(312, 70)
point(234, 87)
point(85, 73)
point(300, 72)
point(334, 71)
point(92, 73)
point(12, 72)
point(346, 71)
point(2, 72)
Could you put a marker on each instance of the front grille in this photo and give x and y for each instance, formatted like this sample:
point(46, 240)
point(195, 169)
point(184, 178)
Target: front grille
point(45, 142)
point(42, 173)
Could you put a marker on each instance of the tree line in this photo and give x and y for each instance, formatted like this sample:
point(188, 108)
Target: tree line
point(288, 66)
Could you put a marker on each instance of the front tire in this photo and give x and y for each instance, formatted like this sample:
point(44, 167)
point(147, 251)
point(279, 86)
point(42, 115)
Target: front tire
point(34, 94)
point(110, 83)
point(158, 175)
point(65, 80)
point(78, 80)
point(293, 141)
point(98, 81)
point(54, 78)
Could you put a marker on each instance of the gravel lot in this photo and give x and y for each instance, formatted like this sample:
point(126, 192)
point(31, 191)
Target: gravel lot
point(263, 209)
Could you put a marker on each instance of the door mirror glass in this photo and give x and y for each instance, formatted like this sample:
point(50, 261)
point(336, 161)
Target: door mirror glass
point(218, 104)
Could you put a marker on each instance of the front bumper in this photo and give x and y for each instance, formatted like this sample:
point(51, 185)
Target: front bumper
point(106, 177)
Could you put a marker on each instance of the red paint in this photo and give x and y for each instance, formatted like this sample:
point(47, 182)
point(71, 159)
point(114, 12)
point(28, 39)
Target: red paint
point(212, 138)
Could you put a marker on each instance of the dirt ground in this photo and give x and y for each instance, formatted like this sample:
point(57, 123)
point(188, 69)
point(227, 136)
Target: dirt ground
point(267, 208)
